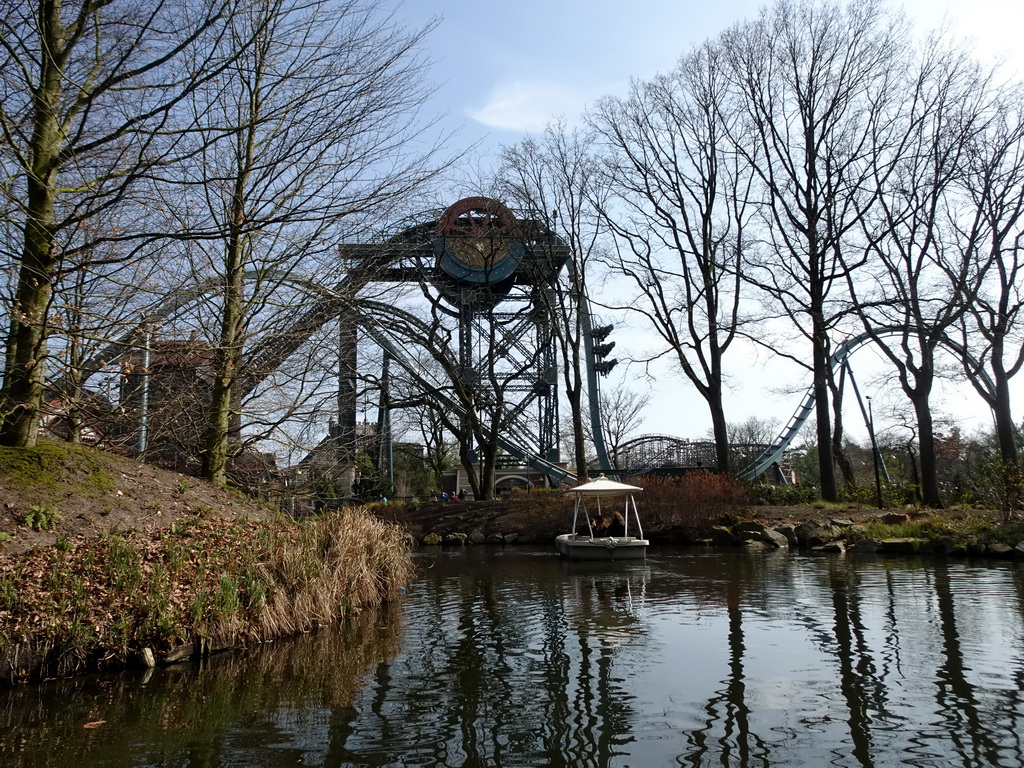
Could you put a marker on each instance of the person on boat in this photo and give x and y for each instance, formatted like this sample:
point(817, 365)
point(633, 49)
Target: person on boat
point(617, 527)
point(599, 527)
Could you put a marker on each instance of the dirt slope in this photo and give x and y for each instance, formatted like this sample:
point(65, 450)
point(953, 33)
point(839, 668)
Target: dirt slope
point(58, 490)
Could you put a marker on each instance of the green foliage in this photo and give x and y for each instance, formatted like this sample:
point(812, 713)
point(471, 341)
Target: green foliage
point(123, 564)
point(197, 608)
point(254, 587)
point(10, 597)
point(764, 495)
point(159, 617)
point(805, 464)
point(894, 495)
point(43, 517)
point(995, 485)
point(226, 602)
point(414, 472)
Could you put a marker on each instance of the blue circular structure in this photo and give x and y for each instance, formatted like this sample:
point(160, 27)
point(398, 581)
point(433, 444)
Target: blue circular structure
point(477, 242)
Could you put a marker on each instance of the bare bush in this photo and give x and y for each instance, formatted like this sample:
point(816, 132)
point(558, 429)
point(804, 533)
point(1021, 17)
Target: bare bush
point(693, 500)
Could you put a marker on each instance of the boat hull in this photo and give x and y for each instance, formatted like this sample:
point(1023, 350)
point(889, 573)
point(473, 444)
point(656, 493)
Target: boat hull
point(607, 548)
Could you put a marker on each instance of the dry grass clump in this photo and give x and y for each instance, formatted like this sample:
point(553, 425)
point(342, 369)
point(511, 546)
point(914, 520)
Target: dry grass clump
point(92, 603)
point(337, 563)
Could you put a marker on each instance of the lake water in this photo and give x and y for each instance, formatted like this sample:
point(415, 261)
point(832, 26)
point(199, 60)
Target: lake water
point(511, 657)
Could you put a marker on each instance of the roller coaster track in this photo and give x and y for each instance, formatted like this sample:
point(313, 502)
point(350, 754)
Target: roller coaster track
point(370, 316)
point(648, 453)
point(512, 443)
point(774, 452)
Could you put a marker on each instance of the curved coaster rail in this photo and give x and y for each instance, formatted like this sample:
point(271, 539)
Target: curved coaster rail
point(774, 452)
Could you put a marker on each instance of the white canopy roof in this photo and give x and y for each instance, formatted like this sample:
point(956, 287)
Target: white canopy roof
point(602, 486)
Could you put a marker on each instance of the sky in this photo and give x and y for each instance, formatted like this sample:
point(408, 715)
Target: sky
point(502, 71)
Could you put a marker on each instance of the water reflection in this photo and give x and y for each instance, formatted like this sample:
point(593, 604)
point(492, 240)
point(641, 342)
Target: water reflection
point(283, 698)
point(511, 665)
point(515, 658)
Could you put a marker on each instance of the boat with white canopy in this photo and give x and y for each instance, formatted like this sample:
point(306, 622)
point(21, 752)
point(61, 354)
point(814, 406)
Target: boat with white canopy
point(600, 530)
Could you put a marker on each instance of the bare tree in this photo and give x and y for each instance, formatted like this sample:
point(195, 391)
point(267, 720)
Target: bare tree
point(679, 214)
point(423, 426)
point(622, 409)
point(923, 237)
point(95, 317)
point(557, 178)
point(815, 80)
point(88, 112)
point(322, 101)
point(992, 329)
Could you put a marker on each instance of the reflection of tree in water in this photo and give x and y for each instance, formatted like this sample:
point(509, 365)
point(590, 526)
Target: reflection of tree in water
point(863, 692)
point(1010, 720)
point(727, 712)
point(605, 607)
point(954, 695)
point(880, 694)
point(870, 688)
point(502, 667)
point(199, 715)
point(530, 661)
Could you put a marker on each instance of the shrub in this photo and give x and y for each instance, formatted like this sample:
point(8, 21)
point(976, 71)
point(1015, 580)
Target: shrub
point(540, 510)
point(694, 500)
point(996, 485)
point(894, 495)
point(764, 495)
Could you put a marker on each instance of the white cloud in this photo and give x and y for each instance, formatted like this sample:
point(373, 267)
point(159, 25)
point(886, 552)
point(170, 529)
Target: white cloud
point(527, 106)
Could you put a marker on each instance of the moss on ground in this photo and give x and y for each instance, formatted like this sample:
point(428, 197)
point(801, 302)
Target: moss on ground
point(53, 469)
point(961, 528)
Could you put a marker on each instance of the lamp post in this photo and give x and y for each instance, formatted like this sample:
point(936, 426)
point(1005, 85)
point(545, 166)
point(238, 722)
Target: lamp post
point(874, 455)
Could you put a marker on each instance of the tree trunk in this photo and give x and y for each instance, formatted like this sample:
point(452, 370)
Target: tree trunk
point(227, 358)
point(915, 474)
point(579, 434)
point(23, 388)
point(217, 449)
point(838, 452)
point(488, 465)
point(22, 393)
point(1006, 430)
point(926, 438)
point(826, 464)
point(720, 430)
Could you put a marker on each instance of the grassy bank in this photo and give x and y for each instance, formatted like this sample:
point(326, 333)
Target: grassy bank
point(90, 603)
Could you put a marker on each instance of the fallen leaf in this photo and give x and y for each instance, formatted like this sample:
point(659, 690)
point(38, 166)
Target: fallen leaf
point(95, 724)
